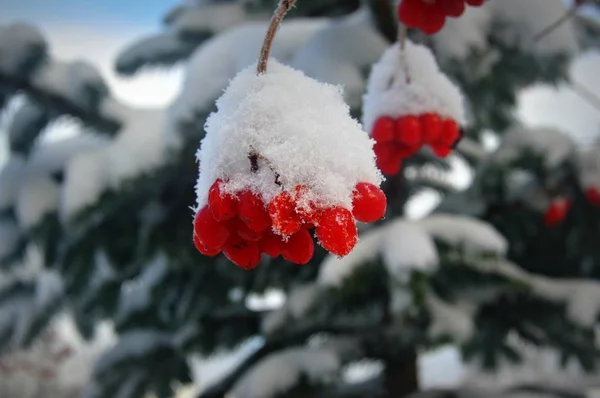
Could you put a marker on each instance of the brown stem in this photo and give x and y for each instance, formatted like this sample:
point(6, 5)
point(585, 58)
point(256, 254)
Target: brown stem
point(254, 157)
point(282, 9)
point(402, 37)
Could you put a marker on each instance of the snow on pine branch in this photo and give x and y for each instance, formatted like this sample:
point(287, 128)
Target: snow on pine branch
point(299, 125)
point(410, 82)
point(22, 47)
point(284, 370)
point(299, 301)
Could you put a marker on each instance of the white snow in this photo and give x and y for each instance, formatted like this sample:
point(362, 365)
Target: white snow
point(300, 300)
point(9, 236)
point(340, 52)
point(554, 145)
point(406, 246)
point(19, 43)
point(49, 288)
point(462, 35)
point(472, 234)
point(281, 371)
point(37, 197)
point(11, 177)
point(450, 320)
point(213, 64)
point(300, 126)
point(73, 81)
point(428, 90)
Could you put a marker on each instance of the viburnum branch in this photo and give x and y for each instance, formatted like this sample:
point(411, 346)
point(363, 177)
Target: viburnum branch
point(556, 24)
point(282, 9)
point(254, 157)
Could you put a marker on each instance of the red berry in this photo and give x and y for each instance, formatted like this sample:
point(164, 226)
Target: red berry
point(203, 249)
point(271, 244)
point(282, 210)
point(441, 151)
point(337, 231)
point(368, 203)
point(432, 128)
point(411, 13)
point(383, 130)
point(308, 211)
point(434, 19)
point(211, 234)
point(409, 131)
point(453, 8)
point(241, 252)
point(299, 248)
point(450, 133)
point(475, 3)
point(253, 212)
point(593, 196)
point(388, 159)
point(246, 233)
point(222, 205)
point(557, 212)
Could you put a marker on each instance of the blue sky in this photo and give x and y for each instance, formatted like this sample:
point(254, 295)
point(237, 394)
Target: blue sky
point(120, 12)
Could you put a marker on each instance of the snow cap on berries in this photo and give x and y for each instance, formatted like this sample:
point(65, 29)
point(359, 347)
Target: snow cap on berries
point(427, 89)
point(302, 130)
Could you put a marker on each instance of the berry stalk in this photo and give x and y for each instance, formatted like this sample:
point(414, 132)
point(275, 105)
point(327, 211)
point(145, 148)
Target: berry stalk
point(282, 9)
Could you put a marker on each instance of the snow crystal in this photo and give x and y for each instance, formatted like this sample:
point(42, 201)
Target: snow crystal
point(469, 233)
point(554, 145)
point(462, 35)
point(428, 89)
point(20, 44)
point(407, 245)
point(37, 197)
point(220, 58)
point(281, 371)
point(451, 320)
point(300, 126)
point(9, 236)
point(340, 52)
point(334, 269)
point(78, 82)
point(300, 300)
point(11, 177)
point(526, 19)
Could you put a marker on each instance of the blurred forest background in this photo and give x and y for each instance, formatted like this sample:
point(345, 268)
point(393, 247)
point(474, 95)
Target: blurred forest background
point(482, 281)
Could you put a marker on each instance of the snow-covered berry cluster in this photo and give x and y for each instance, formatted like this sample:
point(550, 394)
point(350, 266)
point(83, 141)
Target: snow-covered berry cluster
point(243, 227)
point(403, 137)
point(282, 158)
point(560, 208)
point(430, 15)
point(410, 103)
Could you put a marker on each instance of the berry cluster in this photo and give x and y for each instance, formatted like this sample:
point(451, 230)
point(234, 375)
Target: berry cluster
point(430, 15)
point(559, 208)
point(401, 138)
point(244, 227)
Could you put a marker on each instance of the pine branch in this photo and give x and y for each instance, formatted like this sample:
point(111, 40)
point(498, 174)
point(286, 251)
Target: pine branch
point(15, 84)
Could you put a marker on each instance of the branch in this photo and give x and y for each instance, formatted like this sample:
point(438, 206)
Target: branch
point(16, 84)
point(282, 9)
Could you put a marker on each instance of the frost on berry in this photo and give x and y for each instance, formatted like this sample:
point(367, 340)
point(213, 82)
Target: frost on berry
point(299, 248)
point(210, 233)
point(369, 202)
point(282, 210)
point(222, 205)
point(337, 231)
point(411, 85)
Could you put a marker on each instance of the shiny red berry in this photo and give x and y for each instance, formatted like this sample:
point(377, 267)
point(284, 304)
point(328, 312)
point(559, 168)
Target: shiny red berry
point(409, 131)
point(432, 128)
point(453, 8)
point(384, 129)
point(411, 13)
point(475, 3)
point(442, 151)
point(368, 202)
point(222, 205)
point(205, 250)
point(211, 234)
point(299, 248)
point(388, 158)
point(242, 253)
point(434, 19)
point(556, 213)
point(450, 133)
point(593, 196)
point(253, 212)
point(282, 210)
point(271, 244)
point(246, 233)
point(337, 231)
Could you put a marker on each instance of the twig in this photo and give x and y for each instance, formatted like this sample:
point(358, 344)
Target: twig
point(282, 9)
point(556, 24)
point(402, 37)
